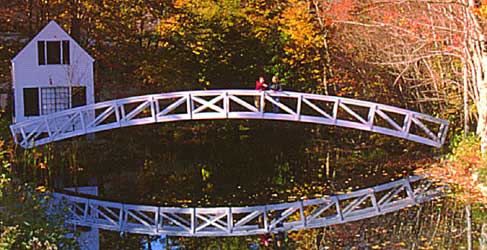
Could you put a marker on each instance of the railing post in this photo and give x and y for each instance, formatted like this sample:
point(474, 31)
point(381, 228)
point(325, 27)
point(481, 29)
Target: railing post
point(230, 220)
point(189, 106)
point(121, 218)
point(339, 210)
point(24, 135)
point(82, 120)
point(266, 223)
point(48, 129)
point(12, 130)
point(153, 108)
point(407, 124)
point(226, 103)
point(298, 107)
point(118, 116)
point(409, 190)
point(442, 134)
point(374, 202)
point(335, 111)
point(371, 116)
point(156, 219)
point(193, 221)
point(301, 212)
point(85, 211)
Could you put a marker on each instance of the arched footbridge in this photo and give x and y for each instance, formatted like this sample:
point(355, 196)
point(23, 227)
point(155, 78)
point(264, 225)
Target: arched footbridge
point(239, 104)
point(232, 104)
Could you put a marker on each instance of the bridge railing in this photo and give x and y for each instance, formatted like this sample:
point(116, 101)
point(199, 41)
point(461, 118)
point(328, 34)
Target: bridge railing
point(234, 221)
point(232, 104)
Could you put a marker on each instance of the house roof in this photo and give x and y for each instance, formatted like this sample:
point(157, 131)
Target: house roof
point(52, 25)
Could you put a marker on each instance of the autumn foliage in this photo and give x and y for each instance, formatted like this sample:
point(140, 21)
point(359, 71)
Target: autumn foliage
point(464, 169)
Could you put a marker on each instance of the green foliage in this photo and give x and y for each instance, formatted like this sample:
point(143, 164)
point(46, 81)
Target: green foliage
point(466, 152)
point(464, 169)
point(462, 145)
point(26, 224)
point(24, 219)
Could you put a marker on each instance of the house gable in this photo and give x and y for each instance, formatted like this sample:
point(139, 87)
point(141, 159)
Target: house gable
point(52, 31)
point(51, 73)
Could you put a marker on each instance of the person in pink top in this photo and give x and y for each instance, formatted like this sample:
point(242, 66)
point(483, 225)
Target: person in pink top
point(260, 85)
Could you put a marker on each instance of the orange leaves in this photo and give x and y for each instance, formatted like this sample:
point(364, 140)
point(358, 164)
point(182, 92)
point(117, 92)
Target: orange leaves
point(338, 10)
point(463, 169)
point(481, 11)
point(180, 3)
point(168, 25)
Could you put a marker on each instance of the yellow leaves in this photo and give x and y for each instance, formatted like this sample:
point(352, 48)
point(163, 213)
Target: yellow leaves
point(41, 189)
point(205, 174)
point(169, 25)
point(296, 22)
point(481, 11)
point(403, 22)
point(401, 244)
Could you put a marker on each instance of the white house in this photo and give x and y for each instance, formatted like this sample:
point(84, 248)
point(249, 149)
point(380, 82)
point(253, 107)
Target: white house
point(50, 74)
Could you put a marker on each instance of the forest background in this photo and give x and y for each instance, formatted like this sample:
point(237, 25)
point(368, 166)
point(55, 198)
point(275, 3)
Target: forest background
point(427, 56)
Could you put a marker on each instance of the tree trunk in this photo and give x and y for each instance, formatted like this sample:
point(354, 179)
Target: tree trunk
point(483, 237)
point(465, 100)
point(469, 226)
point(482, 112)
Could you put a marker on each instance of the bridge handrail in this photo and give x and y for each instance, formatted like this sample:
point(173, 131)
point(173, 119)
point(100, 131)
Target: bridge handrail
point(194, 105)
point(249, 220)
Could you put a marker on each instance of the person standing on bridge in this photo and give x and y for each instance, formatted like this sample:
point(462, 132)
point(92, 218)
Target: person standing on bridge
point(276, 86)
point(260, 85)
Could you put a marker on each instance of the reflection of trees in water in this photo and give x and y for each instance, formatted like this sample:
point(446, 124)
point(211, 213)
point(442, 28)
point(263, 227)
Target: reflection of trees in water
point(432, 225)
point(235, 162)
point(240, 163)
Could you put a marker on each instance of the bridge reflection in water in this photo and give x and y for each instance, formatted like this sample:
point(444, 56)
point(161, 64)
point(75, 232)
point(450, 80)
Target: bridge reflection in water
point(238, 221)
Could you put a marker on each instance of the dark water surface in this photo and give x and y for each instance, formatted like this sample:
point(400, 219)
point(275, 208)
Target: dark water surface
point(241, 163)
point(236, 163)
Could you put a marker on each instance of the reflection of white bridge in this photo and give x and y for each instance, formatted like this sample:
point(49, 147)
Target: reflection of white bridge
point(239, 104)
point(231, 104)
point(237, 221)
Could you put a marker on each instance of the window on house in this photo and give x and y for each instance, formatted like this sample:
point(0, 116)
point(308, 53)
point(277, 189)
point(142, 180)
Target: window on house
point(65, 52)
point(31, 101)
point(78, 96)
point(41, 55)
point(53, 52)
point(54, 99)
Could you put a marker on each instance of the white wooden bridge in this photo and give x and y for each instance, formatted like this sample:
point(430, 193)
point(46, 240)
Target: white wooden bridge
point(239, 104)
point(232, 104)
point(251, 220)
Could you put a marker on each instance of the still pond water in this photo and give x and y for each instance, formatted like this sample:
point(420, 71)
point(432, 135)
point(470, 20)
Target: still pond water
point(238, 163)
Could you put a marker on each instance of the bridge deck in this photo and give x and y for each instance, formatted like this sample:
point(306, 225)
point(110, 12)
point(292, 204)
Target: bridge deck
point(232, 104)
